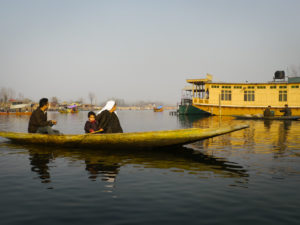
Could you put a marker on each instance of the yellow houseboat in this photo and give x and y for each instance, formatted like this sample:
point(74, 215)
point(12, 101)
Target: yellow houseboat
point(221, 98)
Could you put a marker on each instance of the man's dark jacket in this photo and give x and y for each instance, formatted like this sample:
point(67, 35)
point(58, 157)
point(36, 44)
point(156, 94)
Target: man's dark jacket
point(286, 111)
point(38, 119)
point(267, 112)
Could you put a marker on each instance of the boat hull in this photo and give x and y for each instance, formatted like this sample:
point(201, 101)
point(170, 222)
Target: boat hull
point(16, 113)
point(235, 110)
point(61, 111)
point(191, 110)
point(122, 140)
point(268, 118)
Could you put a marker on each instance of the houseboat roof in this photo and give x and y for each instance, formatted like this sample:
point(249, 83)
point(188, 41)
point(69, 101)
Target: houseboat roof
point(208, 79)
point(205, 81)
point(200, 82)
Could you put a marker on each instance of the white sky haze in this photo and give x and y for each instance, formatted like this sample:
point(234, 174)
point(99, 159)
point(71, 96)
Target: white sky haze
point(142, 50)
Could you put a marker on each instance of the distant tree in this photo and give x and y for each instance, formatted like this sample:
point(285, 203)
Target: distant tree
point(120, 102)
point(92, 97)
point(6, 94)
point(80, 101)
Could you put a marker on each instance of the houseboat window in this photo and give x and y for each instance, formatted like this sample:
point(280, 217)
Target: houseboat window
point(226, 87)
point(282, 87)
point(261, 87)
point(215, 86)
point(295, 86)
point(249, 96)
point(237, 87)
point(226, 95)
point(250, 87)
point(282, 96)
point(273, 87)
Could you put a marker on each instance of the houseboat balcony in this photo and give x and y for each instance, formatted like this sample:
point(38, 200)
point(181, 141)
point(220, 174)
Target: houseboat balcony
point(200, 101)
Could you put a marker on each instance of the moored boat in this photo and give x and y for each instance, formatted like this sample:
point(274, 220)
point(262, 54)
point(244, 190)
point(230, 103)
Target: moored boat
point(17, 107)
point(150, 139)
point(69, 109)
point(15, 113)
point(253, 117)
point(228, 98)
point(158, 109)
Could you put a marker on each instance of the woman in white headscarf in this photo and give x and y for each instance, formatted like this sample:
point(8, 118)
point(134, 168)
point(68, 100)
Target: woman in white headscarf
point(108, 120)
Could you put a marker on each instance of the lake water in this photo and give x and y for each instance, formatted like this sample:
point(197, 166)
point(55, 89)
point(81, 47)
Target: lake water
point(249, 176)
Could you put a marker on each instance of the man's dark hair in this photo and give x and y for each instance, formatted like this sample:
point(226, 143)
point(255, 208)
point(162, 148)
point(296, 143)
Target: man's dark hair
point(43, 101)
point(91, 113)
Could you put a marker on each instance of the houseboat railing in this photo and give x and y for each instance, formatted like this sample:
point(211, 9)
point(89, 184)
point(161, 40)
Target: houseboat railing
point(200, 101)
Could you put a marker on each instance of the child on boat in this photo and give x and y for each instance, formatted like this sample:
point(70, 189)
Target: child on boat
point(91, 126)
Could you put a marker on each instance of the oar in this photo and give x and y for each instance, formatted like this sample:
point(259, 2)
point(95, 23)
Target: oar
point(97, 131)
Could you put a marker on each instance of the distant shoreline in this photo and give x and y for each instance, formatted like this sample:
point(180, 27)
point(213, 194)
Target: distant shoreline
point(120, 108)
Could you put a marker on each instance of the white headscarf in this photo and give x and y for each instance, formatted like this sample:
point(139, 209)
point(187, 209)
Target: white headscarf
point(109, 105)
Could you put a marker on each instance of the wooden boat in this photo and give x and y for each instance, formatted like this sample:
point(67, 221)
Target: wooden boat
point(267, 118)
point(64, 111)
point(158, 109)
point(152, 139)
point(68, 111)
point(17, 108)
point(16, 113)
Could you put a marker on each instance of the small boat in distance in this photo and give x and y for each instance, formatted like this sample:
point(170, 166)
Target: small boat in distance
point(158, 109)
point(16, 113)
point(17, 107)
point(69, 109)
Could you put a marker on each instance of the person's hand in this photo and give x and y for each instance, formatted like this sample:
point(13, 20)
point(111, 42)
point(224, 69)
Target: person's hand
point(98, 131)
point(53, 122)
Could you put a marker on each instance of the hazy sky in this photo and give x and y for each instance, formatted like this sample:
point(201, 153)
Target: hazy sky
point(142, 50)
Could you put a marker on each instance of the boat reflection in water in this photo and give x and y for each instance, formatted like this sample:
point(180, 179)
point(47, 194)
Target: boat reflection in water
point(192, 120)
point(282, 142)
point(106, 165)
point(269, 137)
point(98, 167)
point(40, 164)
